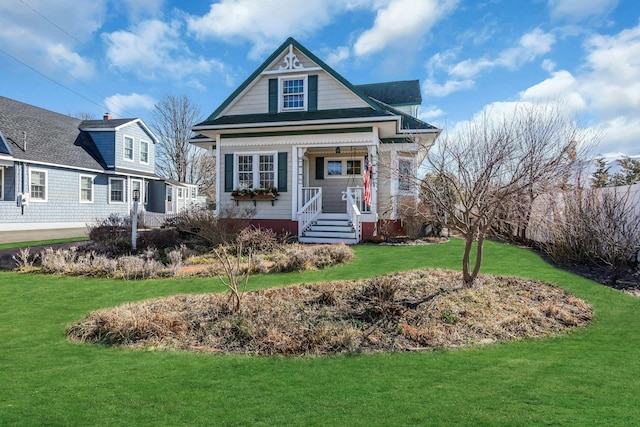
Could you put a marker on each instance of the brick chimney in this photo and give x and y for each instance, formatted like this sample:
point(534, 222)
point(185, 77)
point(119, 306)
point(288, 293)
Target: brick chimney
point(107, 116)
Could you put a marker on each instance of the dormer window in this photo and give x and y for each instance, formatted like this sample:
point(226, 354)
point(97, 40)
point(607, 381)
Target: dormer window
point(128, 148)
point(293, 93)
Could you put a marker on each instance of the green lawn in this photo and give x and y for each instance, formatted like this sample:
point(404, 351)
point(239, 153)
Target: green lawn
point(591, 377)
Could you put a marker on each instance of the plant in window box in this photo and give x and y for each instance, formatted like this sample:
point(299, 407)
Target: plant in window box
point(265, 193)
point(242, 193)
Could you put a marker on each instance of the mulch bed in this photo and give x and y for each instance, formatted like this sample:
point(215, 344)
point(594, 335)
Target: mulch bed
point(417, 310)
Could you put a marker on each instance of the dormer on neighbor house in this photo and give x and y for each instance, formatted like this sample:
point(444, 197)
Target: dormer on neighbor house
point(125, 144)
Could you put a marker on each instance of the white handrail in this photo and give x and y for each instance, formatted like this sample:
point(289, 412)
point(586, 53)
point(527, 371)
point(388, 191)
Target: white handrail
point(311, 209)
point(358, 196)
point(354, 214)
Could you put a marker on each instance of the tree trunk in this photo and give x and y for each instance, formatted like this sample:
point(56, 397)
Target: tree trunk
point(468, 245)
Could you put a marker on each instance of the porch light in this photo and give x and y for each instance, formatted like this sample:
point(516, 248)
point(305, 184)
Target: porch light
point(337, 150)
point(136, 195)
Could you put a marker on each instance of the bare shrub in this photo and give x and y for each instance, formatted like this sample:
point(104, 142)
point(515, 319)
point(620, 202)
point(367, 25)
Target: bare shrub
point(302, 257)
point(599, 226)
point(236, 272)
point(258, 240)
point(213, 229)
point(159, 238)
point(24, 259)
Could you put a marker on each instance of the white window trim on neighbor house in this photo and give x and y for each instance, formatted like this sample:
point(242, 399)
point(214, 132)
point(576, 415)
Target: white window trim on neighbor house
point(194, 193)
point(281, 94)
point(45, 190)
point(255, 168)
point(91, 190)
point(124, 148)
point(144, 143)
point(111, 180)
point(343, 167)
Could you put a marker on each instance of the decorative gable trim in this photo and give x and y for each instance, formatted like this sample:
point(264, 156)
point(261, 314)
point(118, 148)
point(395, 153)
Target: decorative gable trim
point(291, 64)
point(251, 80)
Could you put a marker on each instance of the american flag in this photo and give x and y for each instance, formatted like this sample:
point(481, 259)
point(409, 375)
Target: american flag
point(367, 180)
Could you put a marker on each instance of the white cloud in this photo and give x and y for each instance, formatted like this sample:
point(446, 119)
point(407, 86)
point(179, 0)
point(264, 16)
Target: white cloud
point(562, 87)
point(432, 112)
point(402, 21)
point(612, 80)
point(530, 46)
point(120, 105)
point(154, 49)
point(47, 35)
point(578, 10)
point(338, 55)
point(264, 23)
point(431, 88)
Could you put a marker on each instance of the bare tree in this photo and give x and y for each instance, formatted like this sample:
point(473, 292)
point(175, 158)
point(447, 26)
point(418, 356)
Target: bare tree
point(173, 117)
point(495, 163)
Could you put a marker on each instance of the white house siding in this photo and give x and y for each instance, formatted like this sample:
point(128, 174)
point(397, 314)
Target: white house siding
point(333, 95)
point(63, 207)
point(281, 208)
point(254, 101)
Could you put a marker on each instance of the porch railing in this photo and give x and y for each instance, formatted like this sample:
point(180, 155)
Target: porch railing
point(354, 214)
point(312, 207)
point(358, 196)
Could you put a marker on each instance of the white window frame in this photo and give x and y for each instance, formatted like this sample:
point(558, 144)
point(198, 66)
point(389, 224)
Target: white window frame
point(399, 178)
point(46, 184)
point(80, 199)
point(124, 148)
point(144, 143)
point(194, 192)
point(145, 199)
point(123, 180)
point(305, 92)
point(180, 193)
point(255, 167)
point(343, 171)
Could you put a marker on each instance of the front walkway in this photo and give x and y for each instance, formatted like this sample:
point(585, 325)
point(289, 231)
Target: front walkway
point(35, 235)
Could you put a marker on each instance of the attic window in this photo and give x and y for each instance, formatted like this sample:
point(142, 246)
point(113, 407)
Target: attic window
point(293, 93)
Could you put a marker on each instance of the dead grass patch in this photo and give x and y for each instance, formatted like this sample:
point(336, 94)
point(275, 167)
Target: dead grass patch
point(424, 309)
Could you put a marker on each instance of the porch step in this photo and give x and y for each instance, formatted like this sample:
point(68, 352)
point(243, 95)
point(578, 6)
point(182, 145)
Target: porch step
point(330, 228)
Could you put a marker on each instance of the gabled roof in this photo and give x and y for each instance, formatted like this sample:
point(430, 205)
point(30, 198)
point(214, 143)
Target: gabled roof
point(111, 125)
point(39, 135)
point(269, 61)
point(406, 92)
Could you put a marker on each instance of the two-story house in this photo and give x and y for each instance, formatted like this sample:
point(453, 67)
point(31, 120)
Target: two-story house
point(342, 157)
point(58, 171)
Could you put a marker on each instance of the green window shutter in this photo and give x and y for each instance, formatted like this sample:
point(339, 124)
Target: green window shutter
point(282, 172)
point(273, 95)
point(228, 172)
point(319, 167)
point(313, 93)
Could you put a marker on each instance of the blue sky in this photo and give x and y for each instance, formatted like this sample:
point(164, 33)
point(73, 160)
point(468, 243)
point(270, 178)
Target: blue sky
point(93, 56)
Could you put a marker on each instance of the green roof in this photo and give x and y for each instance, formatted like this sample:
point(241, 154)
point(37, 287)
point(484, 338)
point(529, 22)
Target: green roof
point(398, 93)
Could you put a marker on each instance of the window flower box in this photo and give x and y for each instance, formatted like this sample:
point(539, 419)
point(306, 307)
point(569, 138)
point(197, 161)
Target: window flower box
point(269, 193)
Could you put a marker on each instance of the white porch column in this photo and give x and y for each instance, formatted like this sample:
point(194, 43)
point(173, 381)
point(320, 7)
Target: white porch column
point(218, 180)
point(373, 155)
point(297, 183)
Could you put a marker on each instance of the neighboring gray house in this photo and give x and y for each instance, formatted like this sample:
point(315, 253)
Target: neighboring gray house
point(58, 171)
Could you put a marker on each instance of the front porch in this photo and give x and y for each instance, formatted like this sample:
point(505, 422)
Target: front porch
point(335, 192)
